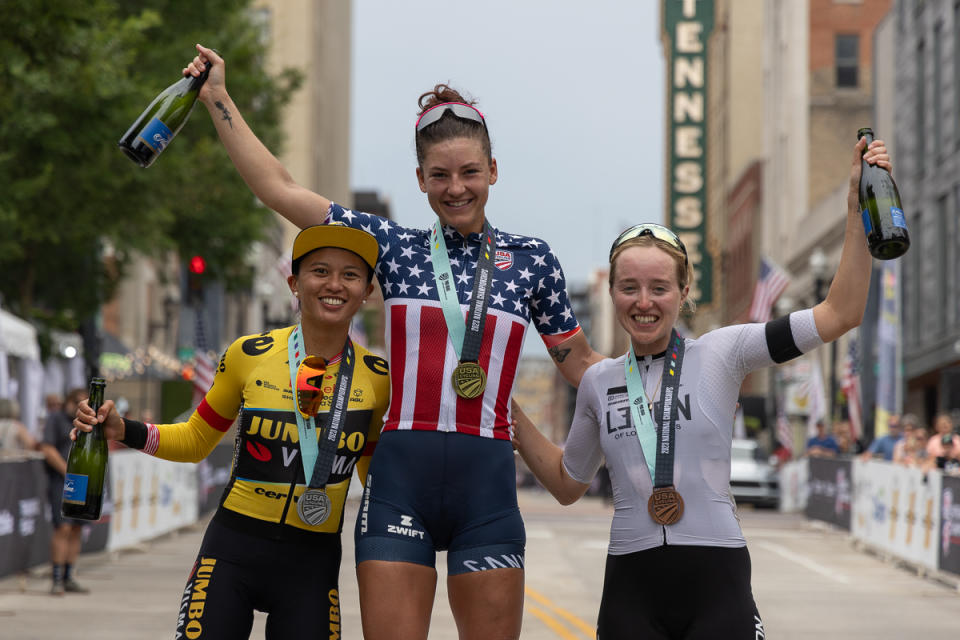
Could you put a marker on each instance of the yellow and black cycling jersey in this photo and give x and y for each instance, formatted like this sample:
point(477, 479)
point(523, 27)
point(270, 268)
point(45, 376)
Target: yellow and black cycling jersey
point(252, 381)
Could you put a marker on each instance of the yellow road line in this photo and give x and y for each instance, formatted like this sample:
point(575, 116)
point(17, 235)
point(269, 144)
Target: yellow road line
point(588, 630)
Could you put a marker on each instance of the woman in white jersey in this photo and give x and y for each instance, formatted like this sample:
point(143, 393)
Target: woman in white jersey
point(677, 565)
point(443, 475)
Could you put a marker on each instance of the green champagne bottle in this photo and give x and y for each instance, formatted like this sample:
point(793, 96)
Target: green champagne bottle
point(883, 218)
point(86, 466)
point(160, 122)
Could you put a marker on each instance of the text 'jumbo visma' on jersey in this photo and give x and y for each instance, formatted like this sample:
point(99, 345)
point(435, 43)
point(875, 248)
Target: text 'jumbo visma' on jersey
point(253, 381)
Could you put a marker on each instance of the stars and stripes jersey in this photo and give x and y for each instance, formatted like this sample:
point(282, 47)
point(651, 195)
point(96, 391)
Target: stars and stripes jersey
point(527, 286)
point(252, 386)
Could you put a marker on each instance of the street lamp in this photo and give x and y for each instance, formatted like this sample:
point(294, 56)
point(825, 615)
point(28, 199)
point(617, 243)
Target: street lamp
point(819, 268)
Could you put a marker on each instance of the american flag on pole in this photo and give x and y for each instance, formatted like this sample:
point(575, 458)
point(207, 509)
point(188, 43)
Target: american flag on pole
point(850, 385)
point(784, 430)
point(203, 364)
point(771, 282)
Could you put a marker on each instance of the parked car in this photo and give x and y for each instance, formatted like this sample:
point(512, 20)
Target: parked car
point(753, 475)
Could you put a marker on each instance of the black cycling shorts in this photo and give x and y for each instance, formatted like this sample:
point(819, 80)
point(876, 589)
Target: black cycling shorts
point(295, 583)
point(430, 491)
point(679, 592)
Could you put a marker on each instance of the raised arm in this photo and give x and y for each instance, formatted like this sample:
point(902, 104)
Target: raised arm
point(846, 301)
point(260, 169)
point(545, 459)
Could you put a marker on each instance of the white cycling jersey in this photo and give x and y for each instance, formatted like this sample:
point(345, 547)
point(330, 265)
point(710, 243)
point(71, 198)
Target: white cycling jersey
point(713, 369)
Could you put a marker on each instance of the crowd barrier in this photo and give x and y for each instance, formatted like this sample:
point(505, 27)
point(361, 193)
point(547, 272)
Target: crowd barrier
point(901, 511)
point(146, 497)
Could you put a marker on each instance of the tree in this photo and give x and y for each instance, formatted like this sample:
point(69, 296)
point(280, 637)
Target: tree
point(75, 75)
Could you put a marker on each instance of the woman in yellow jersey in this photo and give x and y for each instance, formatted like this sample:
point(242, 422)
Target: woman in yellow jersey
point(310, 406)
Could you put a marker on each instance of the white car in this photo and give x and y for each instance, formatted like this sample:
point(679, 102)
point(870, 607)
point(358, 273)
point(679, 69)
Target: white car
point(753, 476)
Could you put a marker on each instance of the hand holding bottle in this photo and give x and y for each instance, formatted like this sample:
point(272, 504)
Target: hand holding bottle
point(208, 60)
point(86, 418)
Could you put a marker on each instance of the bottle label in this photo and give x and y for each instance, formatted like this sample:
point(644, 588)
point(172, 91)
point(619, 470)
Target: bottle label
point(75, 489)
point(899, 220)
point(156, 134)
point(867, 227)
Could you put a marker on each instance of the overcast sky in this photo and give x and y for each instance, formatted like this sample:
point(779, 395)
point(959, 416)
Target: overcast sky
point(573, 95)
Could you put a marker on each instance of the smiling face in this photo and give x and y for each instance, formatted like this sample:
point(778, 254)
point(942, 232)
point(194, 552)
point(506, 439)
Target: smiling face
point(647, 296)
point(456, 176)
point(331, 284)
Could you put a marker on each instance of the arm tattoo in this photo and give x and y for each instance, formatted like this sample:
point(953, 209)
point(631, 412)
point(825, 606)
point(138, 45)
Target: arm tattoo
point(558, 354)
point(226, 113)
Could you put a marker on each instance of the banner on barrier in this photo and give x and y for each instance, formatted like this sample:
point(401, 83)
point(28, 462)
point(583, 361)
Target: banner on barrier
point(150, 497)
point(794, 486)
point(949, 552)
point(830, 491)
point(24, 515)
point(897, 509)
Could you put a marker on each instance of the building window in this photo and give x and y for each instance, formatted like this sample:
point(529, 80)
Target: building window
point(847, 56)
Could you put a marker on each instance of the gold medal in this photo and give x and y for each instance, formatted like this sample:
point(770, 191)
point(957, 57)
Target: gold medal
point(665, 505)
point(314, 507)
point(469, 380)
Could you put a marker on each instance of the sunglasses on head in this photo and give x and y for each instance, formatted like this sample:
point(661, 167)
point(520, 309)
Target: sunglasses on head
point(459, 109)
point(310, 385)
point(653, 230)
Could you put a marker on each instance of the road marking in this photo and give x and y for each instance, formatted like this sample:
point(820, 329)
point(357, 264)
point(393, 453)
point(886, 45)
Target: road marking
point(804, 562)
point(540, 533)
point(587, 630)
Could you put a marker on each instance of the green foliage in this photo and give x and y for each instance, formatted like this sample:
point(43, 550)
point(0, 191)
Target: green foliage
point(74, 76)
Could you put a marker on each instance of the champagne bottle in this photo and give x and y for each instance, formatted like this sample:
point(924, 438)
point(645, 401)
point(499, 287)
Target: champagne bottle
point(160, 122)
point(883, 218)
point(86, 466)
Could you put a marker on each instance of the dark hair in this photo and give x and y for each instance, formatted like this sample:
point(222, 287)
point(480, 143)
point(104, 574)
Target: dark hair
point(295, 265)
point(448, 126)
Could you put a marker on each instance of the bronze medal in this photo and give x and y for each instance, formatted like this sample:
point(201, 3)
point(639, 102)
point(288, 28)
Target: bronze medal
point(469, 380)
point(314, 507)
point(665, 505)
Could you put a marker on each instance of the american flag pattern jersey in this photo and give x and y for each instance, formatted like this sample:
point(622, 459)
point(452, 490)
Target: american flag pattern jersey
point(528, 285)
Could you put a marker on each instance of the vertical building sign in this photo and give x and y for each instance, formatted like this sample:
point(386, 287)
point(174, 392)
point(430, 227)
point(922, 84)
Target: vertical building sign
point(687, 24)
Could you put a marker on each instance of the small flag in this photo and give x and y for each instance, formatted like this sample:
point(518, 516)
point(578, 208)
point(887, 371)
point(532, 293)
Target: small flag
point(770, 284)
point(203, 364)
point(850, 385)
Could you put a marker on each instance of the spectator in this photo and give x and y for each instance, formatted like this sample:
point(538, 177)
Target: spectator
point(911, 451)
point(942, 426)
point(882, 448)
point(14, 437)
point(65, 543)
point(822, 445)
point(847, 445)
point(949, 462)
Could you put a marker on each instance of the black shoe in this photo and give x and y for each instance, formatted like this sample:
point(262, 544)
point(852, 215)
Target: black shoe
point(72, 586)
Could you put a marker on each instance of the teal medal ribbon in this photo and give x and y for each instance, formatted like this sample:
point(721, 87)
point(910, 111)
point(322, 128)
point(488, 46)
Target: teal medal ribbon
point(313, 504)
point(665, 505)
point(469, 378)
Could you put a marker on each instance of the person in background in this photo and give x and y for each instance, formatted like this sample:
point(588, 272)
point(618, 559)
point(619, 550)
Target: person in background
point(911, 450)
point(822, 444)
point(882, 448)
point(14, 436)
point(949, 460)
point(66, 540)
point(942, 426)
point(847, 445)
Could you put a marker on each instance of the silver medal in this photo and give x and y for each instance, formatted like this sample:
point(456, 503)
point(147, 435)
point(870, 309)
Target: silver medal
point(314, 507)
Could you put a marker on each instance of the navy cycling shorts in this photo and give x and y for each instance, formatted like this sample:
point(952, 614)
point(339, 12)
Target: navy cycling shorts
point(430, 491)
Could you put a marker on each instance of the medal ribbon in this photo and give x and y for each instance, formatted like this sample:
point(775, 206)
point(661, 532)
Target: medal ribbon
point(465, 336)
point(656, 443)
point(318, 457)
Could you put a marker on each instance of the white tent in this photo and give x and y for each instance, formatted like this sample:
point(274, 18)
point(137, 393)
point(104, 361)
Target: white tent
point(18, 337)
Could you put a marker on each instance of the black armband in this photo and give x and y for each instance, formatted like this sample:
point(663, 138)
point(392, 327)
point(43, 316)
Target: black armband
point(780, 341)
point(134, 434)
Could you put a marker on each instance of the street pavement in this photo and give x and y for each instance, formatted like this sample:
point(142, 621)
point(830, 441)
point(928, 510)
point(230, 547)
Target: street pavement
point(809, 582)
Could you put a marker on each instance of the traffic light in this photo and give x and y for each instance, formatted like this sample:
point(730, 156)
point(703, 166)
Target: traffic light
point(196, 266)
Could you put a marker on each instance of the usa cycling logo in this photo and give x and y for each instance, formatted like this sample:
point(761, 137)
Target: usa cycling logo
point(503, 259)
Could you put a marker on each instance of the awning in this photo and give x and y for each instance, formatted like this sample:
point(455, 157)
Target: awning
point(18, 337)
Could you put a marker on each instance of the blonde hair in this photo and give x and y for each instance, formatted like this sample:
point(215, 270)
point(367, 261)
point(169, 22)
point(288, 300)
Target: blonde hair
point(683, 266)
